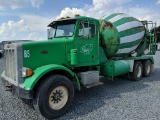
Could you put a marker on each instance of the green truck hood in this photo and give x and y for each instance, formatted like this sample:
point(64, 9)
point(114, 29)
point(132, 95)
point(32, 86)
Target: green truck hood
point(37, 54)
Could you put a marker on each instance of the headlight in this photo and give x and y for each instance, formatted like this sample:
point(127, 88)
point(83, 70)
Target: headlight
point(26, 72)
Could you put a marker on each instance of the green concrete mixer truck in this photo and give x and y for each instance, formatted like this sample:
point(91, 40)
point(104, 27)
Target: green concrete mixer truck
point(78, 51)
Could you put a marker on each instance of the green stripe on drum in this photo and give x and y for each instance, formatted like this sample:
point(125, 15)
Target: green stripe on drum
point(124, 20)
point(111, 16)
point(118, 17)
point(129, 44)
point(131, 31)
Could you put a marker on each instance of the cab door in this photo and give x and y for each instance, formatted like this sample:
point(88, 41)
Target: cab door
point(87, 43)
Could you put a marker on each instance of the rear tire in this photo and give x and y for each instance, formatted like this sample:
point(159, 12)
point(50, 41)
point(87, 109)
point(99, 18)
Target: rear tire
point(54, 96)
point(152, 67)
point(136, 75)
point(146, 68)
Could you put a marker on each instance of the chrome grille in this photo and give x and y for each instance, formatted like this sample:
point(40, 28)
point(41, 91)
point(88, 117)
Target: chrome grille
point(10, 63)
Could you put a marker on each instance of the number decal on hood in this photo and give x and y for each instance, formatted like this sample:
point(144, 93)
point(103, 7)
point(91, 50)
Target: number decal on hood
point(26, 53)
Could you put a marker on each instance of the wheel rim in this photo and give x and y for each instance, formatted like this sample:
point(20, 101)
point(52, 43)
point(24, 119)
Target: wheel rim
point(139, 71)
point(58, 97)
point(148, 68)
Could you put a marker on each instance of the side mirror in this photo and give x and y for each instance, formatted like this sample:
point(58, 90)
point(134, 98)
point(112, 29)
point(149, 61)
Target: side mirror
point(85, 33)
point(81, 32)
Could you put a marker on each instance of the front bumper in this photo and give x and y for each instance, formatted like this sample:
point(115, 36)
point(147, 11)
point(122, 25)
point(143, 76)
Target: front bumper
point(22, 93)
point(17, 91)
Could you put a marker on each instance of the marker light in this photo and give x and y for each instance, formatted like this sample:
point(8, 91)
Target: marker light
point(67, 17)
point(62, 18)
point(76, 15)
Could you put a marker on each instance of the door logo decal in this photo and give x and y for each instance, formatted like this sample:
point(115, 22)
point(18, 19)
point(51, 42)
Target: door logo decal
point(87, 49)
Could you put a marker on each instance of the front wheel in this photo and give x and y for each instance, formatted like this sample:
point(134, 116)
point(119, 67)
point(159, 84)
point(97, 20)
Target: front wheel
point(54, 96)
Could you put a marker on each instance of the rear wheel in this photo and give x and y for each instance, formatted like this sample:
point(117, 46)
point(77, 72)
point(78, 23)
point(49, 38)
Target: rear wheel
point(152, 67)
point(146, 68)
point(54, 96)
point(137, 72)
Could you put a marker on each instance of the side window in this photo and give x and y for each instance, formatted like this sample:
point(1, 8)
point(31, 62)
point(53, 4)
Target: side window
point(93, 30)
point(86, 29)
point(81, 32)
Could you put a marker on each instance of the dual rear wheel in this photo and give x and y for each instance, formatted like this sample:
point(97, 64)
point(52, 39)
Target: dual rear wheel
point(140, 69)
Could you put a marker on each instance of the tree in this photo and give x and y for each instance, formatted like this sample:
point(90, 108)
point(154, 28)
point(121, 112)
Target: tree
point(157, 33)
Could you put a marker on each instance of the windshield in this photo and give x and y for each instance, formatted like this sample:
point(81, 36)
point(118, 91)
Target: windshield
point(62, 30)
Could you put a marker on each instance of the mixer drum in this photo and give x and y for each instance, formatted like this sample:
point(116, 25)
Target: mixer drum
point(120, 34)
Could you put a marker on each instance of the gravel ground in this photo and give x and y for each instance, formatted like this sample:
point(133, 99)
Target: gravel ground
point(114, 100)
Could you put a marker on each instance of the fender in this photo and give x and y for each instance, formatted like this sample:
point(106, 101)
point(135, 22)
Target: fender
point(30, 82)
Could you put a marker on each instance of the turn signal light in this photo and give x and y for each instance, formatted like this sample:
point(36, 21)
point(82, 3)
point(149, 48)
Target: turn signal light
point(26, 72)
point(29, 72)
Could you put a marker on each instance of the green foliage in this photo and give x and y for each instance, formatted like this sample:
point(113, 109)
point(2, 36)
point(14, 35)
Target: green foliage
point(157, 33)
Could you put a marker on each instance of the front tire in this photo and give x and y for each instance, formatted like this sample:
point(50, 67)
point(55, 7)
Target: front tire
point(136, 75)
point(54, 96)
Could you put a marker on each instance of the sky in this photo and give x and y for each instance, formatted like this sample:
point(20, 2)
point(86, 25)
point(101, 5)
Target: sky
point(28, 19)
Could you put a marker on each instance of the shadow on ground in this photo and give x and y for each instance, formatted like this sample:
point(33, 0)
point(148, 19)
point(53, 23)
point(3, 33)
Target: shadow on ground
point(89, 100)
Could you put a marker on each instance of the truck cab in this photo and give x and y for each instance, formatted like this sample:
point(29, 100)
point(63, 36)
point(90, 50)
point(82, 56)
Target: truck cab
point(80, 35)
